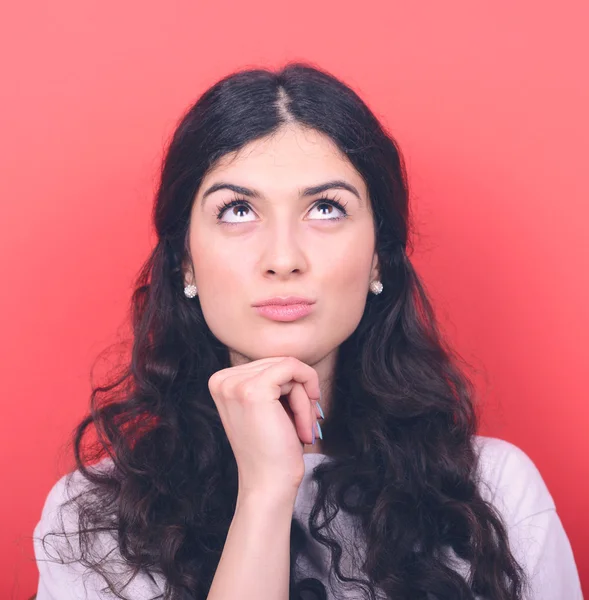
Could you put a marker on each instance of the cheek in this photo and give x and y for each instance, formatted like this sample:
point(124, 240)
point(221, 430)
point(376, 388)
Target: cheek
point(218, 270)
point(347, 289)
point(221, 285)
point(350, 273)
point(350, 261)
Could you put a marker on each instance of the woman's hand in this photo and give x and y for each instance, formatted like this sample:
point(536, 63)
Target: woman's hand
point(268, 411)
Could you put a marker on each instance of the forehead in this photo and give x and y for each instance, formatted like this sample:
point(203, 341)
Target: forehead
point(290, 156)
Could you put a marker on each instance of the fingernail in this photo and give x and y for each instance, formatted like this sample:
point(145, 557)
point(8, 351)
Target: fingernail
point(313, 430)
point(320, 410)
point(319, 430)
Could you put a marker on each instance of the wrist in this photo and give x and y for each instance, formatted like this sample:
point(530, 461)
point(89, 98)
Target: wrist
point(263, 501)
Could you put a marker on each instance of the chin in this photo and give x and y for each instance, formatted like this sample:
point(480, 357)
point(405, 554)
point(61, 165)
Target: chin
point(303, 350)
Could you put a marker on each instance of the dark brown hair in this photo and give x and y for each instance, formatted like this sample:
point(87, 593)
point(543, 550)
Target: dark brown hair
point(401, 424)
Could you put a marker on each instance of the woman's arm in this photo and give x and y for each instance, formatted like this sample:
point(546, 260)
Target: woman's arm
point(256, 556)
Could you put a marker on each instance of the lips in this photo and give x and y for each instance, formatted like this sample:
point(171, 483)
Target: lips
point(284, 312)
point(284, 301)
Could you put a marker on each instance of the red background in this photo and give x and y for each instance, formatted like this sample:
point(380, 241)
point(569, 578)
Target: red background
point(489, 103)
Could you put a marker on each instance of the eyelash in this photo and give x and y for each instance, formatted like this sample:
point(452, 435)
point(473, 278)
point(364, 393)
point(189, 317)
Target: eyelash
point(323, 200)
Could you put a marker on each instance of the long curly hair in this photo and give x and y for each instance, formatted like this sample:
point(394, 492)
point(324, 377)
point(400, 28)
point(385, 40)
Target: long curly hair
point(402, 420)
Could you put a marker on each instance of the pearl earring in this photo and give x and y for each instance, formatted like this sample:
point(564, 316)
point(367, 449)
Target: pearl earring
point(376, 287)
point(190, 291)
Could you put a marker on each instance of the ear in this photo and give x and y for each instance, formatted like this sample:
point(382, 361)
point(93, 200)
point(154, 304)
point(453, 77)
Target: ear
point(187, 271)
point(375, 272)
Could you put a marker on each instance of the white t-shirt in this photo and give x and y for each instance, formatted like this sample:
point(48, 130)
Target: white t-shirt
point(512, 483)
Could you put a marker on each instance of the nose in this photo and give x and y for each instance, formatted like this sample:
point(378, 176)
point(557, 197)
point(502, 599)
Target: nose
point(282, 253)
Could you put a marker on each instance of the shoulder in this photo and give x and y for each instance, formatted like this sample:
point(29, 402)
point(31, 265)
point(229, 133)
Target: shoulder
point(510, 480)
point(55, 509)
point(62, 573)
point(55, 537)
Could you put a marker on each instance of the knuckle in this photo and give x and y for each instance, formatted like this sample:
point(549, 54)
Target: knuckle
point(292, 361)
point(248, 392)
point(213, 382)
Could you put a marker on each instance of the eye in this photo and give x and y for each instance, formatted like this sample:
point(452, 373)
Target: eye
point(237, 206)
point(330, 204)
point(240, 207)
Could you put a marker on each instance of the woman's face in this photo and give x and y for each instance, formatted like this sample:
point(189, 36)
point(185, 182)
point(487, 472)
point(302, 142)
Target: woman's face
point(282, 241)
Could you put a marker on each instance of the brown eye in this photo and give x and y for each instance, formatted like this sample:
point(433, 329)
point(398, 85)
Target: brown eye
point(237, 209)
point(331, 204)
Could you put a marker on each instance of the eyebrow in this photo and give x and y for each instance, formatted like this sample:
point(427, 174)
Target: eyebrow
point(309, 191)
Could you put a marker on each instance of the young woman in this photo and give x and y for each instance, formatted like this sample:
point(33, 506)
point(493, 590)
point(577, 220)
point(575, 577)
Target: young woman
point(291, 423)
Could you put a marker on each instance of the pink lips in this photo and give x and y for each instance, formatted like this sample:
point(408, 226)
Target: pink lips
point(284, 309)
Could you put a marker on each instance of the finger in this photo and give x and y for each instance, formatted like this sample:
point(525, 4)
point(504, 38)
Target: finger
point(293, 369)
point(237, 378)
point(304, 426)
point(316, 410)
point(253, 366)
point(284, 400)
point(290, 370)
